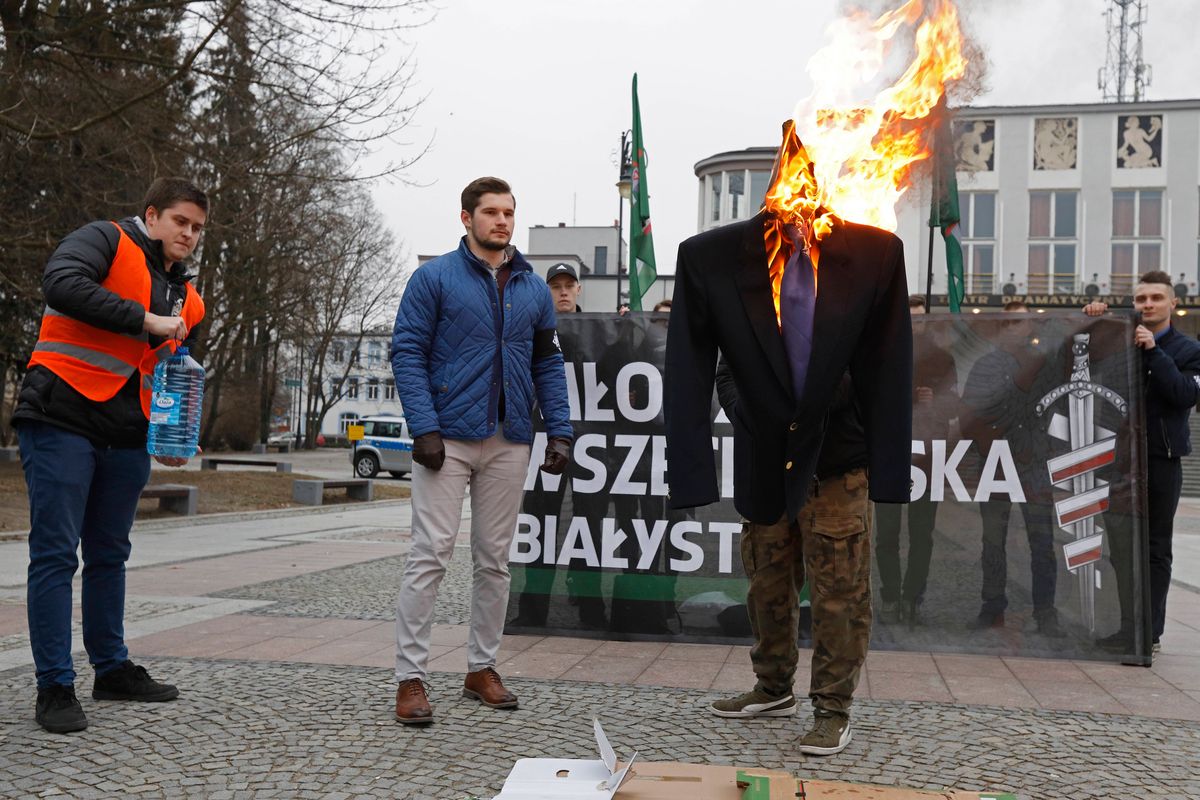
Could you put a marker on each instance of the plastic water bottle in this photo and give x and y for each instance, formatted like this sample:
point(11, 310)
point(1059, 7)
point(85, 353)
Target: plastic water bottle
point(175, 406)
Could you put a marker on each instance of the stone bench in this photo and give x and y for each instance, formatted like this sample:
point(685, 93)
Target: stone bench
point(279, 447)
point(212, 462)
point(174, 497)
point(312, 492)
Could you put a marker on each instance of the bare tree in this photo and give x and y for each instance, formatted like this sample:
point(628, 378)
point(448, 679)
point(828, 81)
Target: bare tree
point(272, 105)
point(295, 102)
point(363, 276)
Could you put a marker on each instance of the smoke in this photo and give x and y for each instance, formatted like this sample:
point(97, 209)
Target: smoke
point(958, 93)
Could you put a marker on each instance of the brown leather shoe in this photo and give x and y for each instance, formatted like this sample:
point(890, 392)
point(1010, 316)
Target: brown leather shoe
point(412, 706)
point(486, 687)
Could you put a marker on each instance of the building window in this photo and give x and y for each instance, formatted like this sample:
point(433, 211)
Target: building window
point(374, 354)
point(373, 389)
point(389, 389)
point(352, 389)
point(600, 259)
point(1053, 241)
point(978, 231)
point(346, 418)
point(736, 189)
point(714, 184)
point(759, 183)
point(1137, 230)
point(335, 388)
point(339, 352)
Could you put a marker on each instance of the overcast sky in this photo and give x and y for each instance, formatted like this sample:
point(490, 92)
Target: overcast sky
point(538, 92)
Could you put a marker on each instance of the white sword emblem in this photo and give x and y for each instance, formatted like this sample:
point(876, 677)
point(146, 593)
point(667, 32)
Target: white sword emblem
point(1091, 449)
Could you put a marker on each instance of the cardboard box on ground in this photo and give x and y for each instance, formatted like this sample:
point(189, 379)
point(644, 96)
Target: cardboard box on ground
point(571, 778)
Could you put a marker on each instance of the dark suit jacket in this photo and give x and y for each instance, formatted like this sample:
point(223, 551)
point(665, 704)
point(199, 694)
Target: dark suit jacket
point(723, 300)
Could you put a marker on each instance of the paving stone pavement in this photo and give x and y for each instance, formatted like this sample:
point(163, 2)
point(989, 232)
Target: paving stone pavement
point(362, 591)
point(290, 730)
point(136, 609)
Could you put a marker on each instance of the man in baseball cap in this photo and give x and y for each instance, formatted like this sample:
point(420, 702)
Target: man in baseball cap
point(564, 288)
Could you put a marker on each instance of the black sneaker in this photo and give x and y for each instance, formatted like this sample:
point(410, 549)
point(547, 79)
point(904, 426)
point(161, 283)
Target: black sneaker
point(912, 613)
point(988, 619)
point(1048, 624)
point(131, 682)
point(58, 710)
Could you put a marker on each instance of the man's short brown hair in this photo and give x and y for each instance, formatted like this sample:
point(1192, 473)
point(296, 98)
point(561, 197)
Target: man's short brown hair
point(1156, 276)
point(916, 301)
point(166, 192)
point(662, 304)
point(481, 186)
point(1015, 305)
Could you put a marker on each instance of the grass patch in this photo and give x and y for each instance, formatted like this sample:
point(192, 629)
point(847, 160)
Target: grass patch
point(220, 491)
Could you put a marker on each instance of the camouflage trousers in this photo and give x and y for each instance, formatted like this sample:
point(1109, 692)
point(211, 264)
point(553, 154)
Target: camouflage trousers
point(831, 544)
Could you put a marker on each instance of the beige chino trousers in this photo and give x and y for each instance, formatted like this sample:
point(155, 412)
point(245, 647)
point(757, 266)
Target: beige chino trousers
point(495, 469)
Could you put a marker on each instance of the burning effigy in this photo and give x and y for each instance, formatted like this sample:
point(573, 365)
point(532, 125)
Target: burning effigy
point(845, 159)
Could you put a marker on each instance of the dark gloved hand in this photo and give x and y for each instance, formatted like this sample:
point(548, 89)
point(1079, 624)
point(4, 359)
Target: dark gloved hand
point(429, 451)
point(558, 455)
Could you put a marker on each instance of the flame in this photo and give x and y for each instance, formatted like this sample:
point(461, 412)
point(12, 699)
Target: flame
point(858, 156)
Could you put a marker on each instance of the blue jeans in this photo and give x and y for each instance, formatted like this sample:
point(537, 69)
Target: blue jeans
point(78, 494)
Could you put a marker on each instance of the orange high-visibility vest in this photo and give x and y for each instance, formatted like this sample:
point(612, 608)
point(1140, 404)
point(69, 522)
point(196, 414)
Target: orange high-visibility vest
point(97, 363)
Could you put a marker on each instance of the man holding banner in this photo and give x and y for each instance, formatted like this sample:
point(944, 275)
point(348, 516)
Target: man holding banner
point(787, 361)
point(1171, 364)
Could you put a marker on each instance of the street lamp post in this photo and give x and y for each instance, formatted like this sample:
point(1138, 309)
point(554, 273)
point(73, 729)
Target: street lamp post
point(625, 190)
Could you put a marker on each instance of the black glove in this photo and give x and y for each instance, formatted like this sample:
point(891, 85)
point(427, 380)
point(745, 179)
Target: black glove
point(428, 450)
point(558, 455)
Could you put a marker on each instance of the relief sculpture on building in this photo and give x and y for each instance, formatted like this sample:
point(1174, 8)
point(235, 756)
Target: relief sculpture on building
point(1055, 143)
point(1139, 141)
point(975, 145)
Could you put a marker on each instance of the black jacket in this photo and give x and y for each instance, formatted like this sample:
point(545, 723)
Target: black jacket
point(723, 300)
point(1172, 380)
point(71, 285)
point(844, 447)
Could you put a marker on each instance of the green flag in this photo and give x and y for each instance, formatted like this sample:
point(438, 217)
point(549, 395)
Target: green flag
point(642, 271)
point(944, 214)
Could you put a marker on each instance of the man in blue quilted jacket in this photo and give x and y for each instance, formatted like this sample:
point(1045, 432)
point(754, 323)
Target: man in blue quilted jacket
point(474, 352)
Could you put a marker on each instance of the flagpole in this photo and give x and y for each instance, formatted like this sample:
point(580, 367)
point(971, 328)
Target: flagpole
point(623, 193)
point(933, 203)
point(929, 276)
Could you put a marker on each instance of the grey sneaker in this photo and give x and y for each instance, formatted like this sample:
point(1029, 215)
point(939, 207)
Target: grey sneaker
point(829, 735)
point(755, 703)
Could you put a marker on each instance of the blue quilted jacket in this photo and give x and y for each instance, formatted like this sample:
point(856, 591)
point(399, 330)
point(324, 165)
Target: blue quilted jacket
point(452, 349)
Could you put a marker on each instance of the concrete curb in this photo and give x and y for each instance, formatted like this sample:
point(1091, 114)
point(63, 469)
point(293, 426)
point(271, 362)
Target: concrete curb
point(173, 523)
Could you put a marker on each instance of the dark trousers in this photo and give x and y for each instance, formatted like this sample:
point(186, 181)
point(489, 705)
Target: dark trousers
point(1165, 482)
point(921, 516)
point(994, 516)
point(582, 582)
point(79, 494)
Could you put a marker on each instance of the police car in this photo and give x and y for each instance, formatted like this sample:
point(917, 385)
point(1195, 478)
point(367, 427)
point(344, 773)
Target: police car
point(386, 445)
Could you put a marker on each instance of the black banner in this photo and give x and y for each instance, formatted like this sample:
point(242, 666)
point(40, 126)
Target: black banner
point(1024, 534)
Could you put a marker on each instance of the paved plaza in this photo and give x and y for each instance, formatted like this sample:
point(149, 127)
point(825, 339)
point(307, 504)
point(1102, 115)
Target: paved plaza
point(276, 628)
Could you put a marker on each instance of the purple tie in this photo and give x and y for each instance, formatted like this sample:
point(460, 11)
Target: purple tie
point(797, 302)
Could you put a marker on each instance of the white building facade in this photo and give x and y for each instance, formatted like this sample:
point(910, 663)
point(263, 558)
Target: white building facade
point(1058, 202)
point(368, 388)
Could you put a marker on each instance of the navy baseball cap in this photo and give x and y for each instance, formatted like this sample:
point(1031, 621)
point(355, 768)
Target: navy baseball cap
point(561, 269)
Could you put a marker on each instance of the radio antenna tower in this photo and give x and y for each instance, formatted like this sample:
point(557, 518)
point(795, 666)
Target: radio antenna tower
point(1124, 76)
